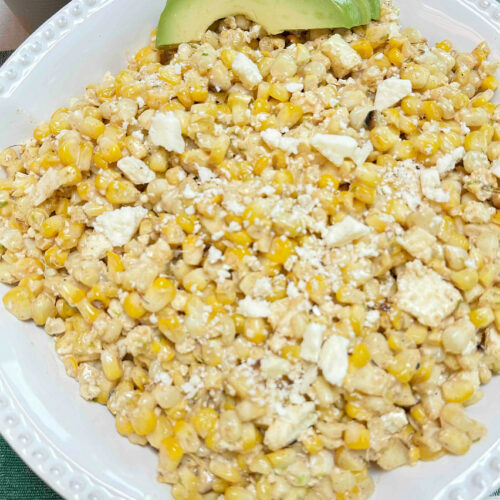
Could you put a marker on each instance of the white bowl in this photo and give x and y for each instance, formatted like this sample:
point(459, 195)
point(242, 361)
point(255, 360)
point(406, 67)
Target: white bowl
point(72, 444)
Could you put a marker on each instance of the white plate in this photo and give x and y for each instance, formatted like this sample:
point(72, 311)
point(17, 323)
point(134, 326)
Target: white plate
point(73, 444)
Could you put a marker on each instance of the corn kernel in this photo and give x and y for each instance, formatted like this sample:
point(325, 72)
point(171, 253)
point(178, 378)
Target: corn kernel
point(481, 317)
point(360, 356)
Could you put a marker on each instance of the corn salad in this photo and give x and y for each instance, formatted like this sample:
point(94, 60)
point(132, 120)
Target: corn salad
point(274, 258)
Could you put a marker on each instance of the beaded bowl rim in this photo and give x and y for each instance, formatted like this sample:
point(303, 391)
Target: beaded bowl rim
point(17, 423)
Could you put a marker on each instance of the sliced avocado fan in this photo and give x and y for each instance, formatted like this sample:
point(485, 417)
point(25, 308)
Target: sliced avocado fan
point(187, 20)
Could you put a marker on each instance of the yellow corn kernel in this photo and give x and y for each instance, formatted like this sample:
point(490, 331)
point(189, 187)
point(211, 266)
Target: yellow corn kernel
point(110, 151)
point(395, 56)
point(457, 391)
point(111, 365)
point(123, 425)
point(363, 193)
point(121, 192)
point(18, 302)
point(489, 83)
point(69, 151)
point(204, 421)
point(279, 92)
point(239, 237)
point(476, 141)
point(261, 106)
point(411, 105)
point(328, 181)
point(357, 437)
point(159, 295)
point(312, 443)
point(219, 150)
point(431, 110)
point(281, 250)
point(41, 132)
point(71, 293)
point(416, 333)
point(133, 306)
point(289, 115)
point(454, 440)
point(356, 412)
point(383, 138)
point(59, 121)
point(363, 48)
point(290, 352)
point(92, 127)
point(481, 317)
point(227, 57)
point(445, 45)
point(147, 55)
point(281, 459)
point(360, 356)
point(316, 288)
point(51, 226)
point(143, 420)
point(255, 330)
point(418, 75)
point(88, 311)
point(199, 93)
point(168, 74)
point(427, 143)
point(465, 279)
point(418, 414)
point(261, 164)
point(424, 372)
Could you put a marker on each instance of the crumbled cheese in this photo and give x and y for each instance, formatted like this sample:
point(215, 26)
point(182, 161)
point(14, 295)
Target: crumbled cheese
point(372, 317)
point(214, 255)
point(449, 160)
point(254, 308)
point(495, 168)
point(333, 359)
point(136, 170)
point(423, 293)
point(294, 87)
point(349, 229)
point(120, 225)
point(361, 154)
point(205, 174)
point(390, 92)
point(274, 366)
point(311, 343)
point(335, 148)
point(394, 421)
point(49, 183)
point(418, 243)
point(274, 139)
point(166, 131)
point(342, 56)
point(263, 287)
point(246, 70)
point(476, 212)
point(431, 186)
point(292, 423)
point(192, 387)
point(95, 246)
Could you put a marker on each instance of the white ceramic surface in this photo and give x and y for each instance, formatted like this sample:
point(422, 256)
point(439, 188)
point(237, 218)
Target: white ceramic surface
point(72, 444)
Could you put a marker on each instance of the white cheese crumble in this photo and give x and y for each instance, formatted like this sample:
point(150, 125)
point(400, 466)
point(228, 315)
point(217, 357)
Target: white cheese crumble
point(390, 92)
point(214, 255)
point(449, 160)
point(292, 423)
point(495, 168)
point(349, 229)
point(394, 421)
point(335, 148)
point(274, 139)
point(166, 131)
point(254, 308)
point(136, 170)
point(294, 87)
point(246, 70)
point(431, 186)
point(120, 225)
point(424, 294)
point(311, 343)
point(343, 57)
point(333, 359)
point(205, 174)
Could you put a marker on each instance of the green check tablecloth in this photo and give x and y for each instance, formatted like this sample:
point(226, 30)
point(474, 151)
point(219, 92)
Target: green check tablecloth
point(17, 480)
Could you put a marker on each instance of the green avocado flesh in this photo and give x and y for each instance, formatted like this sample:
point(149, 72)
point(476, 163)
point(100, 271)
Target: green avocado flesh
point(187, 20)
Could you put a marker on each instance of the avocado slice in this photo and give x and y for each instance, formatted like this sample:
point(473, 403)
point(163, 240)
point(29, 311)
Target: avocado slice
point(375, 8)
point(187, 20)
point(365, 11)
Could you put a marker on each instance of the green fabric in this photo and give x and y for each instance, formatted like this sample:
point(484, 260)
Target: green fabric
point(18, 481)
